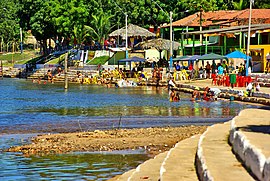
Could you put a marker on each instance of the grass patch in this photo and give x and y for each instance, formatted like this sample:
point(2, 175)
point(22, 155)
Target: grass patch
point(18, 58)
point(99, 60)
point(57, 60)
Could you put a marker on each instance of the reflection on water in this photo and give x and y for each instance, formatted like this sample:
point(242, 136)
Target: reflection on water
point(28, 107)
point(34, 108)
point(76, 166)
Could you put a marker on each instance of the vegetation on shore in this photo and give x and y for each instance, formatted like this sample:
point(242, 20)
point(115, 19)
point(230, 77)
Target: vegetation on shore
point(18, 58)
point(81, 21)
point(99, 60)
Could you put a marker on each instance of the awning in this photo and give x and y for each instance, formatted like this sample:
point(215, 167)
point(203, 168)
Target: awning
point(132, 59)
point(212, 56)
point(187, 58)
point(237, 54)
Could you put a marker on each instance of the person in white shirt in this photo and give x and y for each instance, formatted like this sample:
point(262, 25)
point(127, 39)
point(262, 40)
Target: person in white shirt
point(215, 92)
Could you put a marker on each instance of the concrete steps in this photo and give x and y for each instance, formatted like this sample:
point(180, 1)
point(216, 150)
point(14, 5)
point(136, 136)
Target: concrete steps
point(215, 160)
point(126, 175)
point(235, 150)
point(250, 139)
point(149, 170)
point(72, 75)
point(180, 163)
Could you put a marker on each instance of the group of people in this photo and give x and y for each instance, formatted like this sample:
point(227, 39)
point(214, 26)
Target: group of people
point(250, 89)
point(173, 96)
point(209, 94)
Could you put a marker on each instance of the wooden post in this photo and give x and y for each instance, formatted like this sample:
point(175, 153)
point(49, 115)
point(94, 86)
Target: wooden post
point(240, 40)
point(206, 41)
point(193, 44)
point(13, 54)
point(225, 45)
point(66, 72)
point(2, 74)
point(244, 39)
point(182, 44)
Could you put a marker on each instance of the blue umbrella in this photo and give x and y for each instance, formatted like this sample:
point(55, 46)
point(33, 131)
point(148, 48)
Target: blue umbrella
point(237, 54)
point(132, 59)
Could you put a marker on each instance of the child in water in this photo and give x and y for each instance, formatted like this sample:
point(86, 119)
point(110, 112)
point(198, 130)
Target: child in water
point(196, 95)
point(174, 97)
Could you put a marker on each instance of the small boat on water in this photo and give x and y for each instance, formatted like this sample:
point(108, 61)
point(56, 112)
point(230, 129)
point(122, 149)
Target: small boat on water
point(126, 83)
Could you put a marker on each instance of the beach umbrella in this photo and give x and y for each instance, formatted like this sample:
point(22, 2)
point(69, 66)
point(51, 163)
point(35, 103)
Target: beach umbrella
point(182, 58)
point(237, 54)
point(159, 43)
point(132, 30)
point(132, 59)
point(212, 56)
point(194, 57)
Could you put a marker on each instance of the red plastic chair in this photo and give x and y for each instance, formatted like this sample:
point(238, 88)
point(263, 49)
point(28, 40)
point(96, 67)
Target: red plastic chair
point(214, 79)
point(227, 81)
point(242, 81)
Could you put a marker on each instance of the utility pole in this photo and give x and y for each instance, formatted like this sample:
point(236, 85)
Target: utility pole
point(171, 42)
point(248, 43)
point(66, 72)
point(2, 74)
point(21, 43)
point(126, 16)
point(171, 34)
point(201, 42)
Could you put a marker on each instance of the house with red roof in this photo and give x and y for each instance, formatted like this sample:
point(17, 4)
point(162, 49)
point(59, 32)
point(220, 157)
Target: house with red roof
point(224, 31)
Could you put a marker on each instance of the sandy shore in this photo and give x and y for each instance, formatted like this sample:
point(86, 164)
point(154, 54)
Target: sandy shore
point(153, 140)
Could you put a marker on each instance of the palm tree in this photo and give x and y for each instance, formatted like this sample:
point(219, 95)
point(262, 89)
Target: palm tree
point(81, 34)
point(242, 4)
point(100, 26)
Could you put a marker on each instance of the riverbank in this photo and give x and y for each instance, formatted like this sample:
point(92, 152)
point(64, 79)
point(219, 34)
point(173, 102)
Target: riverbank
point(152, 140)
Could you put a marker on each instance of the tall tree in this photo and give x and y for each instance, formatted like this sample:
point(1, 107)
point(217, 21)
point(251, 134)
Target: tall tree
point(100, 26)
point(69, 15)
point(9, 22)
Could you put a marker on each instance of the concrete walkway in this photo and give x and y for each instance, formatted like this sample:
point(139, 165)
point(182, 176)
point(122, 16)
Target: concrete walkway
point(247, 157)
point(250, 139)
point(215, 160)
point(208, 82)
point(179, 163)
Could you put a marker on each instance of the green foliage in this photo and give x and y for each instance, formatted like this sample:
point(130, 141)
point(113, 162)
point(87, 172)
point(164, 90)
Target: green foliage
point(87, 20)
point(57, 60)
point(242, 4)
point(99, 60)
point(9, 24)
point(68, 15)
point(18, 58)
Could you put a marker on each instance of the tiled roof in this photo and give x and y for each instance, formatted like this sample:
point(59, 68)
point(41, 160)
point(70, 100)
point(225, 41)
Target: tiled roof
point(256, 14)
point(186, 21)
point(213, 17)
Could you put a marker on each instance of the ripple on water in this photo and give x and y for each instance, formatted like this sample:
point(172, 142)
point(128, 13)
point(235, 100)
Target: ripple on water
point(28, 107)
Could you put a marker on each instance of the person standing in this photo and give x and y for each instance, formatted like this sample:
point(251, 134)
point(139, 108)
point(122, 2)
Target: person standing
point(214, 67)
point(207, 69)
point(220, 70)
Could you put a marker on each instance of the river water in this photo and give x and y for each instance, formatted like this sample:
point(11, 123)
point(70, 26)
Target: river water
point(29, 108)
